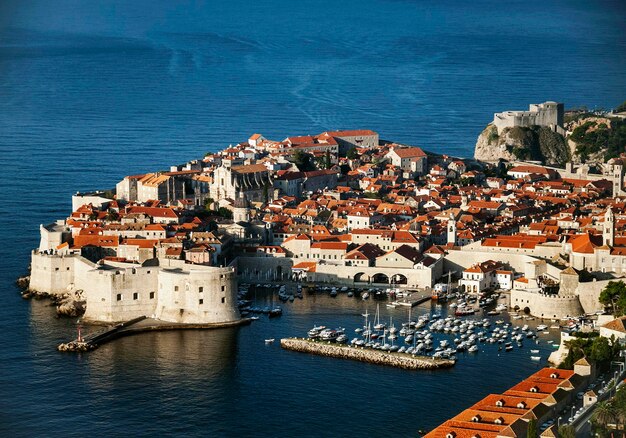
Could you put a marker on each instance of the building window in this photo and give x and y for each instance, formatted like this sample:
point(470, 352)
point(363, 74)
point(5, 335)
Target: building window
point(56, 269)
point(135, 295)
point(223, 300)
point(200, 301)
point(119, 297)
point(223, 288)
point(151, 295)
point(67, 269)
point(175, 288)
point(201, 289)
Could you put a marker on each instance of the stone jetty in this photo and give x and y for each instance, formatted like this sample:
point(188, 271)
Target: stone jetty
point(399, 360)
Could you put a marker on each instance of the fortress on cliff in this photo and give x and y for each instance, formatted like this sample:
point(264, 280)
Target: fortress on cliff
point(548, 114)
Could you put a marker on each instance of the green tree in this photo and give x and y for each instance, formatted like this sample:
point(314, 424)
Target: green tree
point(614, 297)
point(532, 429)
point(304, 161)
point(327, 161)
point(567, 431)
point(93, 216)
point(621, 108)
point(619, 403)
point(604, 414)
point(225, 213)
point(266, 192)
point(352, 154)
point(601, 350)
point(112, 216)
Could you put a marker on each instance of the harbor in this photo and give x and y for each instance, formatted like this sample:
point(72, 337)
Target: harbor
point(361, 354)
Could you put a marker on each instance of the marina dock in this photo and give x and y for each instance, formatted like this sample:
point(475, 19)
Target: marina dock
point(399, 360)
point(413, 299)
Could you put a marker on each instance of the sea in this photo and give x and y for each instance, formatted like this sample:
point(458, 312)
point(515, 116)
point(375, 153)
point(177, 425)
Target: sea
point(93, 91)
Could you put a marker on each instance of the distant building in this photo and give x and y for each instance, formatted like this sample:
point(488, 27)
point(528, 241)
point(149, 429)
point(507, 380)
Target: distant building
point(409, 159)
point(486, 275)
point(361, 138)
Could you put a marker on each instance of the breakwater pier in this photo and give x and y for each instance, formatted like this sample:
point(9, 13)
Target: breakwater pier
point(140, 325)
point(399, 360)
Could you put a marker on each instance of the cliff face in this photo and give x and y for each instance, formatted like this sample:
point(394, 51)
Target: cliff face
point(590, 139)
point(518, 143)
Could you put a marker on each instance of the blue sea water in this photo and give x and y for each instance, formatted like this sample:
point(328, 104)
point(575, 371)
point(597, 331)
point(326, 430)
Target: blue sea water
point(93, 91)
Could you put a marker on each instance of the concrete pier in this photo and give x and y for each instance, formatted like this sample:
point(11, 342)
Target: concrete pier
point(140, 325)
point(413, 299)
point(399, 360)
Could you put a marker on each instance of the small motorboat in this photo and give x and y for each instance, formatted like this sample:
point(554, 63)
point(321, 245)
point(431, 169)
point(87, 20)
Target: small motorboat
point(269, 341)
point(535, 358)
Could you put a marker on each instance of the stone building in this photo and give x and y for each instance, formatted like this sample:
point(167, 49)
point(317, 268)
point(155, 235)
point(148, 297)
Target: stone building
point(253, 180)
point(548, 114)
point(412, 160)
point(360, 138)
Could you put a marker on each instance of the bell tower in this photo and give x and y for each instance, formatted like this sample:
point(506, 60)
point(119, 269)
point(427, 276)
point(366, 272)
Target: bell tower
point(241, 210)
point(608, 231)
point(452, 230)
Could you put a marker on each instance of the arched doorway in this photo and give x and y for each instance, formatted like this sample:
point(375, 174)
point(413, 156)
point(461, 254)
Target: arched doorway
point(380, 278)
point(399, 279)
point(361, 278)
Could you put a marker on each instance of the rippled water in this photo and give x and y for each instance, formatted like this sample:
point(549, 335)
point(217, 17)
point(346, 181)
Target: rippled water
point(92, 92)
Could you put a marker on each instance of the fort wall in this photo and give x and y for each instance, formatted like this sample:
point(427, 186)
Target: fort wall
point(202, 295)
point(546, 306)
point(118, 292)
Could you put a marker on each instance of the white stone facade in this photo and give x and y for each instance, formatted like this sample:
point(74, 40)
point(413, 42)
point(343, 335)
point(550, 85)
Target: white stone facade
point(122, 291)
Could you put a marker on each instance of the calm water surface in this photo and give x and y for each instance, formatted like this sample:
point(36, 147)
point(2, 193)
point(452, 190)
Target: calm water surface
point(92, 92)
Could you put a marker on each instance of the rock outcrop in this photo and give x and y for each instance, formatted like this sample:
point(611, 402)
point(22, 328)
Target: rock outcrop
point(71, 304)
point(520, 143)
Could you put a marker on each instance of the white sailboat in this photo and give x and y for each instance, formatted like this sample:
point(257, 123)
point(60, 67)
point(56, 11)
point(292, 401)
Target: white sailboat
point(378, 325)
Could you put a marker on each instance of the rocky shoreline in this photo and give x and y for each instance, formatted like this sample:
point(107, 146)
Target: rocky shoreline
point(398, 360)
point(70, 304)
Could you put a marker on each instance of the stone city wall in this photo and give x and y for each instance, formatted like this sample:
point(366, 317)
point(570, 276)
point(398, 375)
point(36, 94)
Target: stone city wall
point(546, 306)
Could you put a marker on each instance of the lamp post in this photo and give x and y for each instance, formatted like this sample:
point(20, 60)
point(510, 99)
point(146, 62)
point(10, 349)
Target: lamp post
point(558, 422)
point(571, 413)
